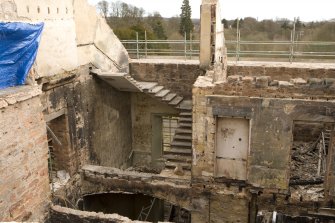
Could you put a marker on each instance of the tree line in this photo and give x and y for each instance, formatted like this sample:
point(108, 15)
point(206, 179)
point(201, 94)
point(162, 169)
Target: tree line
point(280, 30)
point(126, 20)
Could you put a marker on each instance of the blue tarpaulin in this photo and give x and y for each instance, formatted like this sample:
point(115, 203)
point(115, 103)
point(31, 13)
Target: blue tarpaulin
point(18, 49)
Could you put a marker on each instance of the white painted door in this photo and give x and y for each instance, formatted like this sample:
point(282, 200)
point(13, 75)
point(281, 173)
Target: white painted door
point(232, 143)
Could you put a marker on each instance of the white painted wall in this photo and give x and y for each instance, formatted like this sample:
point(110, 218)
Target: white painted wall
point(74, 35)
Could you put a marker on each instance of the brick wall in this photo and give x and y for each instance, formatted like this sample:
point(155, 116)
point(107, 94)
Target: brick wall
point(24, 181)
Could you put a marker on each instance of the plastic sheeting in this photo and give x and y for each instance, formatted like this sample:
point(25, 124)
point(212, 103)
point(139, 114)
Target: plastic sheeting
point(18, 49)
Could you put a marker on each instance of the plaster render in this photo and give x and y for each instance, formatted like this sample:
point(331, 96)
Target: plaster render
point(66, 42)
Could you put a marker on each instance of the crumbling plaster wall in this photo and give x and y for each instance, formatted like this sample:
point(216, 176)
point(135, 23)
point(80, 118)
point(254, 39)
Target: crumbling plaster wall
point(24, 181)
point(143, 108)
point(97, 43)
point(73, 35)
point(99, 118)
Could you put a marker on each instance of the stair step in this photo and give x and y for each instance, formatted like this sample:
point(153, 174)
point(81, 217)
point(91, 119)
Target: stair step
point(169, 97)
point(176, 101)
point(183, 119)
point(186, 105)
point(146, 86)
point(162, 93)
point(183, 131)
point(185, 125)
point(180, 158)
point(183, 137)
point(178, 151)
point(172, 165)
point(156, 89)
point(187, 114)
point(179, 143)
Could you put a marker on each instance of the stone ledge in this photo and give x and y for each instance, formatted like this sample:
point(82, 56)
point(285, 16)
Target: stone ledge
point(64, 214)
point(110, 172)
point(13, 95)
point(165, 61)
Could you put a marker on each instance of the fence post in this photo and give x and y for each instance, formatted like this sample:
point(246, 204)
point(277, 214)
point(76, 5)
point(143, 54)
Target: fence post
point(185, 46)
point(145, 44)
point(292, 42)
point(191, 45)
point(137, 49)
point(238, 40)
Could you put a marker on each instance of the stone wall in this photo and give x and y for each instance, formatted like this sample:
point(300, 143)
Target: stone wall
point(143, 109)
point(24, 184)
point(67, 215)
point(175, 76)
point(271, 121)
point(99, 117)
point(281, 71)
point(272, 105)
point(213, 202)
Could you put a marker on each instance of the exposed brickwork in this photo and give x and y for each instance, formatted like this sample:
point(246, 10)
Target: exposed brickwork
point(24, 184)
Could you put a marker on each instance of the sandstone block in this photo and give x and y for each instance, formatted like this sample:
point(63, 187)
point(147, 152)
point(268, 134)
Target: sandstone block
point(298, 81)
point(262, 81)
point(248, 79)
point(329, 81)
point(233, 78)
point(315, 81)
point(3, 103)
point(284, 84)
point(274, 83)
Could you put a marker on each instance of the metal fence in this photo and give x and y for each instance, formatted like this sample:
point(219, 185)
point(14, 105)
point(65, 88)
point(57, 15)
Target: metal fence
point(237, 49)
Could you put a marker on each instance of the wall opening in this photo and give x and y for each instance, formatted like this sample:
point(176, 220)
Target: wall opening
point(309, 160)
point(170, 124)
point(61, 155)
point(232, 146)
point(163, 130)
point(136, 207)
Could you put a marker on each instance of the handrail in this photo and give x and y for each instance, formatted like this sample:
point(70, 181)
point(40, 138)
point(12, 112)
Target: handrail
point(189, 49)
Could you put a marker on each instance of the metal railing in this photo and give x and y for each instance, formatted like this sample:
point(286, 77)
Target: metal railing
point(189, 49)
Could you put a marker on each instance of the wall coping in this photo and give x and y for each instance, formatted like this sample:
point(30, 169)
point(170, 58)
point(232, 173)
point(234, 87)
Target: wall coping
point(269, 64)
point(13, 95)
point(165, 61)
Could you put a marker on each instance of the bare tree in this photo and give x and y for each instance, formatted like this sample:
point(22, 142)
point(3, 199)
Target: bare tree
point(103, 6)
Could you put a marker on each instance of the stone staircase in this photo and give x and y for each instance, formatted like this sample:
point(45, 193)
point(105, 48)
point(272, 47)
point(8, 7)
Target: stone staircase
point(160, 93)
point(181, 145)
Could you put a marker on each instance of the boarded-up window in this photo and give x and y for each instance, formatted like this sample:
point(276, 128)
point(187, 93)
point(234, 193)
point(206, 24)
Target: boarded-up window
point(232, 143)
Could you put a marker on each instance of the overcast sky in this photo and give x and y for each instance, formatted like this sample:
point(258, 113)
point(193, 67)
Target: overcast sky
point(307, 10)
